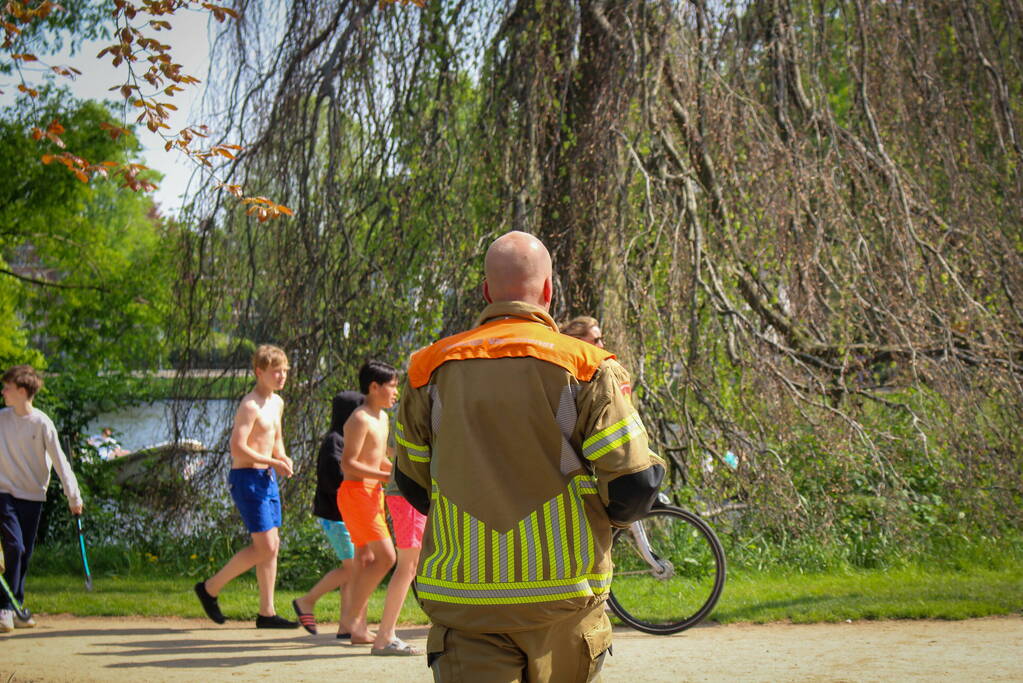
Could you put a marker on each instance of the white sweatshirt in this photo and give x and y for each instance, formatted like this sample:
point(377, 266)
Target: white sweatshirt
point(28, 449)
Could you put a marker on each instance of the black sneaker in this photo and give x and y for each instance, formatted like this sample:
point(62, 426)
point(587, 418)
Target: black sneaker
point(276, 621)
point(209, 603)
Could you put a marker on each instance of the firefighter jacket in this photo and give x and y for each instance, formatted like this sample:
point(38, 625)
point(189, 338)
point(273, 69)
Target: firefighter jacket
point(523, 447)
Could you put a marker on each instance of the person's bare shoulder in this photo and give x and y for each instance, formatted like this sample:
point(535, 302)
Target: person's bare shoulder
point(248, 406)
point(358, 418)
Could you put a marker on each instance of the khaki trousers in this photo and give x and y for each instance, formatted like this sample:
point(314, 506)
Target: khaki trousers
point(569, 650)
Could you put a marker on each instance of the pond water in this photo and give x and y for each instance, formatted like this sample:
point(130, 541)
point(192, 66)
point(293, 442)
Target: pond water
point(207, 421)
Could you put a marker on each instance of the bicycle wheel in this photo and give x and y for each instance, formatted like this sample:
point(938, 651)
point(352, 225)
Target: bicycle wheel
point(688, 581)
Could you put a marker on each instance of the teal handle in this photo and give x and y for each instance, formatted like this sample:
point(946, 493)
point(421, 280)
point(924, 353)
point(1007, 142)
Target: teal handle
point(85, 560)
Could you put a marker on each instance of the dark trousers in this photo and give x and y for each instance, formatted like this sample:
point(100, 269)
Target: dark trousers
point(19, 522)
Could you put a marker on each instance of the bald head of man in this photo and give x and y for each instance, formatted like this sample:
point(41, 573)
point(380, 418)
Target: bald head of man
point(518, 268)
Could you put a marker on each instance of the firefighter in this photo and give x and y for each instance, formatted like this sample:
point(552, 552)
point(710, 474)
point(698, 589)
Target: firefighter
point(522, 447)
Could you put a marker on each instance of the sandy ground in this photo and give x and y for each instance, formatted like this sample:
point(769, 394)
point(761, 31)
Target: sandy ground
point(63, 648)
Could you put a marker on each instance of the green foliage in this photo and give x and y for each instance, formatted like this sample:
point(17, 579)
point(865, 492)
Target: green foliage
point(14, 347)
point(84, 267)
point(217, 350)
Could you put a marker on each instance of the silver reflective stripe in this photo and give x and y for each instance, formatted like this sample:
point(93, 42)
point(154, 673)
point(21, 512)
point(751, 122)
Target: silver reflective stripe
point(429, 588)
point(554, 542)
point(503, 555)
point(529, 542)
point(600, 585)
point(474, 550)
point(585, 486)
point(435, 409)
point(576, 515)
point(567, 417)
point(452, 552)
point(435, 518)
point(560, 549)
point(622, 433)
point(416, 452)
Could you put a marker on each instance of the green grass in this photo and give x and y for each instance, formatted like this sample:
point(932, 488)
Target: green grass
point(906, 593)
point(162, 596)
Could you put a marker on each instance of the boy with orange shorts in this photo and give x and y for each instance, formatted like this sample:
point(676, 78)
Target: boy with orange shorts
point(361, 497)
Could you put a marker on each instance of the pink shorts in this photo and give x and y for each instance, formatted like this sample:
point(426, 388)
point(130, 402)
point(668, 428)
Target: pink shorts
point(408, 523)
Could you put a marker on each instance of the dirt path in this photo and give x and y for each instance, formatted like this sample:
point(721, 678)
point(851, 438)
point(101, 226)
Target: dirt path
point(64, 648)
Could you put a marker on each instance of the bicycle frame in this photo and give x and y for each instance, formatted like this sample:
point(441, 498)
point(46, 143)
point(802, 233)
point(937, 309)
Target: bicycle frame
point(662, 568)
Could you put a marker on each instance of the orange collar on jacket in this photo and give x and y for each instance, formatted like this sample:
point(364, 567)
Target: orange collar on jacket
point(510, 329)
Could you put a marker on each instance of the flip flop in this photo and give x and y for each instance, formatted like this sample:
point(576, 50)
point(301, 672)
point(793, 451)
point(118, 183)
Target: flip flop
point(396, 648)
point(307, 619)
point(344, 636)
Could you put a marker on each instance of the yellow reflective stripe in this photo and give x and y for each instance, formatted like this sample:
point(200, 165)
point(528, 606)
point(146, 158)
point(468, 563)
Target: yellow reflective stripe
point(473, 551)
point(554, 542)
point(612, 437)
point(578, 517)
point(563, 549)
point(453, 549)
point(517, 592)
point(499, 559)
point(449, 553)
point(481, 560)
point(586, 485)
point(592, 578)
point(444, 547)
point(436, 530)
point(416, 452)
point(509, 568)
point(604, 432)
point(548, 547)
point(466, 545)
point(535, 549)
point(427, 594)
point(411, 446)
point(524, 544)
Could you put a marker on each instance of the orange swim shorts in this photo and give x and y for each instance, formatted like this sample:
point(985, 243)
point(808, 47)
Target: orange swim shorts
point(362, 507)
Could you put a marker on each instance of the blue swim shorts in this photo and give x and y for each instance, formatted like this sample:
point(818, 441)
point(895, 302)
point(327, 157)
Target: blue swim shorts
point(338, 537)
point(257, 497)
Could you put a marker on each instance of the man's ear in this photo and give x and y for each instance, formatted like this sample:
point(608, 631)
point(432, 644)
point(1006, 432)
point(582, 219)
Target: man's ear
point(548, 293)
point(486, 292)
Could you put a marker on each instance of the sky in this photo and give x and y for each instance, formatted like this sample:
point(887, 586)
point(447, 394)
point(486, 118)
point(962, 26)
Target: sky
point(189, 41)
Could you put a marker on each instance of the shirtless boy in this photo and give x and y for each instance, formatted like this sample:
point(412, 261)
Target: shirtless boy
point(258, 458)
point(361, 496)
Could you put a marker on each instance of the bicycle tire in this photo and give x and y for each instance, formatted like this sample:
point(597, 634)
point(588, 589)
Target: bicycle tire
point(692, 586)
